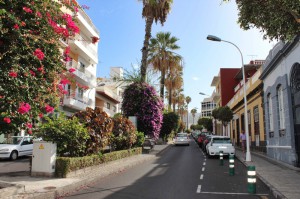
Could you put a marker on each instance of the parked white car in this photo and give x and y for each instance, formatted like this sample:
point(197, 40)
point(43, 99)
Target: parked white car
point(16, 146)
point(220, 143)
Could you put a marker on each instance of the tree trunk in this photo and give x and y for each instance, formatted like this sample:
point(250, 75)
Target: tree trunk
point(170, 98)
point(149, 22)
point(162, 84)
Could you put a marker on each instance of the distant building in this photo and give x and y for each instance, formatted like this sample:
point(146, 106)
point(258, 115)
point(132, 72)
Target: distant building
point(109, 92)
point(207, 106)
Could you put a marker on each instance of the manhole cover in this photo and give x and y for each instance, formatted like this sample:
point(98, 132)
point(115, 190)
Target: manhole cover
point(49, 188)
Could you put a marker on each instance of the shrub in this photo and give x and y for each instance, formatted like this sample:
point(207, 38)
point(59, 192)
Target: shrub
point(69, 135)
point(140, 139)
point(170, 123)
point(123, 133)
point(142, 101)
point(99, 127)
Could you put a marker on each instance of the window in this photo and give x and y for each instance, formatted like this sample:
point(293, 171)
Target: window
point(256, 120)
point(270, 116)
point(249, 122)
point(280, 108)
point(68, 89)
point(108, 105)
point(80, 93)
point(114, 108)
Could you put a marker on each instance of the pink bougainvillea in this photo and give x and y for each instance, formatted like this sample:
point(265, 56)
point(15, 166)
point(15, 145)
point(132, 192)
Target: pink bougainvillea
point(65, 81)
point(26, 9)
point(28, 125)
point(24, 108)
point(16, 26)
point(39, 54)
point(72, 70)
point(13, 74)
point(49, 109)
point(7, 120)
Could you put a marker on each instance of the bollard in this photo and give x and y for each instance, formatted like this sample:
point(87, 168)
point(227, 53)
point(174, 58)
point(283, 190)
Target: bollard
point(251, 179)
point(231, 165)
point(221, 158)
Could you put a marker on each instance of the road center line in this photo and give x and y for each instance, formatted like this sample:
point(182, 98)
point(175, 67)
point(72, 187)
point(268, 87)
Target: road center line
point(204, 163)
point(199, 189)
point(201, 177)
point(203, 168)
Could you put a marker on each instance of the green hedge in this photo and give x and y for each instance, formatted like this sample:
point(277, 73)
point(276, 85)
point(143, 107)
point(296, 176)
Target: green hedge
point(65, 165)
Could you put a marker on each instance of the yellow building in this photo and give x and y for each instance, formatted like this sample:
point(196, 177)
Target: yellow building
point(254, 89)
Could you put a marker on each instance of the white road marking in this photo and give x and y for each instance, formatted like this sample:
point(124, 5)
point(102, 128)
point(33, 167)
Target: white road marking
point(203, 168)
point(199, 189)
point(201, 177)
point(204, 163)
point(226, 193)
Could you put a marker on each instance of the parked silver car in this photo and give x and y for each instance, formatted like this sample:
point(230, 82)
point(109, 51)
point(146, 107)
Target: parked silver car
point(182, 139)
point(16, 146)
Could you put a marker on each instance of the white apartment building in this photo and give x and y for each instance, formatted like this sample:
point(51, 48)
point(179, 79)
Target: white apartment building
point(84, 59)
point(207, 106)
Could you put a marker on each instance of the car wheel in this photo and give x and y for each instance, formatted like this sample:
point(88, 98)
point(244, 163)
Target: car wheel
point(14, 155)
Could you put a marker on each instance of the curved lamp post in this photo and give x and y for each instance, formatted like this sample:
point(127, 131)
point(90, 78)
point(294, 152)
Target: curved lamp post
point(214, 38)
point(203, 94)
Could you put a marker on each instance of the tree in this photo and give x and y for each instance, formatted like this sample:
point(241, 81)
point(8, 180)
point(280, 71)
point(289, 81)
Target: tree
point(162, 56)
point(278, 19)
point(194, 111)
point(225, 115)
point(170, 123)
point(31, 60)
point(153, 10)
point(188, 99)
point(141, 100)
point(206, 123)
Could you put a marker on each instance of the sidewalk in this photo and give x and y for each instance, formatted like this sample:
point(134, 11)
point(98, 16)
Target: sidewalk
point(282, 179)
point(43, 188)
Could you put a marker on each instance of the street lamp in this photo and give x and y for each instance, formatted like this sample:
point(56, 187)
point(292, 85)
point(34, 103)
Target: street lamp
point(214, 38)
point(203, 94)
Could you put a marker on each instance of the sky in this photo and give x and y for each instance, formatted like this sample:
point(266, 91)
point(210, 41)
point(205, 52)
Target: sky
point(122, 31)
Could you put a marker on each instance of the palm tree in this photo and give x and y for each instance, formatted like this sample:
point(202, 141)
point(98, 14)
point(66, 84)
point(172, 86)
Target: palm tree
point(153, 10)
point(188, 99)
point(174, 81)
point(162, 56)
point(194, 111)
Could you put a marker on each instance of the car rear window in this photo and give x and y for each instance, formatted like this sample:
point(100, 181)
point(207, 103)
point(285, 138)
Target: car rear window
point(181, 135)
point(222, 140)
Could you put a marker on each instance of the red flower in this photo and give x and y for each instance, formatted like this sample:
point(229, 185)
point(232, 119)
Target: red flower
point(7, 120)
point(23, 23)
point(16, 26)
point(13, 74)
point(67, 50)
point(41, 115)
point(95, 39)
point(39, 54)
point(24, 108)
point(39, 14)
point(64, 81)
point(71, 70)
point(49, 109)
point(32, 73)
point(26, 9)
point(29, 132)
point(28, 125)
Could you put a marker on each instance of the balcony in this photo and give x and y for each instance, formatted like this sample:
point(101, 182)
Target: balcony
point(83, 74)
point(83, 47)
point(216, 96)
point(75, 102)
point(107, 93)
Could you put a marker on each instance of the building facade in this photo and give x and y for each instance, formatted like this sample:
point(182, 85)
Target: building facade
point(83, 60)
point(254, 93)
point(281, 77)
point(207, 106)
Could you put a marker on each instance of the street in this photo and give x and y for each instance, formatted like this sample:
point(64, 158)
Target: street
point(19, 167)
point(179, 172)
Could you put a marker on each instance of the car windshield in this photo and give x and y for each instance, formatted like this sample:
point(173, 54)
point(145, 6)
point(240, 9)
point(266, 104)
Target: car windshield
point(221, 140)
point(12, 140)
point(182, 135)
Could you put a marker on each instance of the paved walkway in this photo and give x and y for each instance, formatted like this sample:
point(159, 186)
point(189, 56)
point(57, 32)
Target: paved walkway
point(283, 179)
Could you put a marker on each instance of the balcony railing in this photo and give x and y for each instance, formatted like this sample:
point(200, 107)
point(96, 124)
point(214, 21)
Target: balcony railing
point(88, 20)
point(85, 43)
point(82, 73)
point(75, 101)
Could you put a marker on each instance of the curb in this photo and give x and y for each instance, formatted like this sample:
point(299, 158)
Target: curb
point(277, 194)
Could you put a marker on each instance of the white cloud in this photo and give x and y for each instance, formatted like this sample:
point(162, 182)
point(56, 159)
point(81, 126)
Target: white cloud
point(195, 78)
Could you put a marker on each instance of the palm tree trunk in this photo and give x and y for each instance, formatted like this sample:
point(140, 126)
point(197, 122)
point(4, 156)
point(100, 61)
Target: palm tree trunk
point(149, 22)
point(162, 84)
point(170, 98)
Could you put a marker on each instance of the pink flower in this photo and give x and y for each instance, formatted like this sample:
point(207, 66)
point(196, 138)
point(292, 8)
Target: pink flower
point(24, 108)
point(64, 81)
point(39, 54)
point(39, 14)
point(41, 69)
point(76, 9)
point(49, 109)
point(28, 125)
point(71, 70)
point(67, 50)
point(32, 73)
point(26, 9)
point(65, 92)
point(13, 74)
point(29, 132)
point(41, 115)
point(7, 120)
point(16, 26)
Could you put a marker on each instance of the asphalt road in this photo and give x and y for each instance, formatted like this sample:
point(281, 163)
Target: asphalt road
point(180, 172)
point(19, 167)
